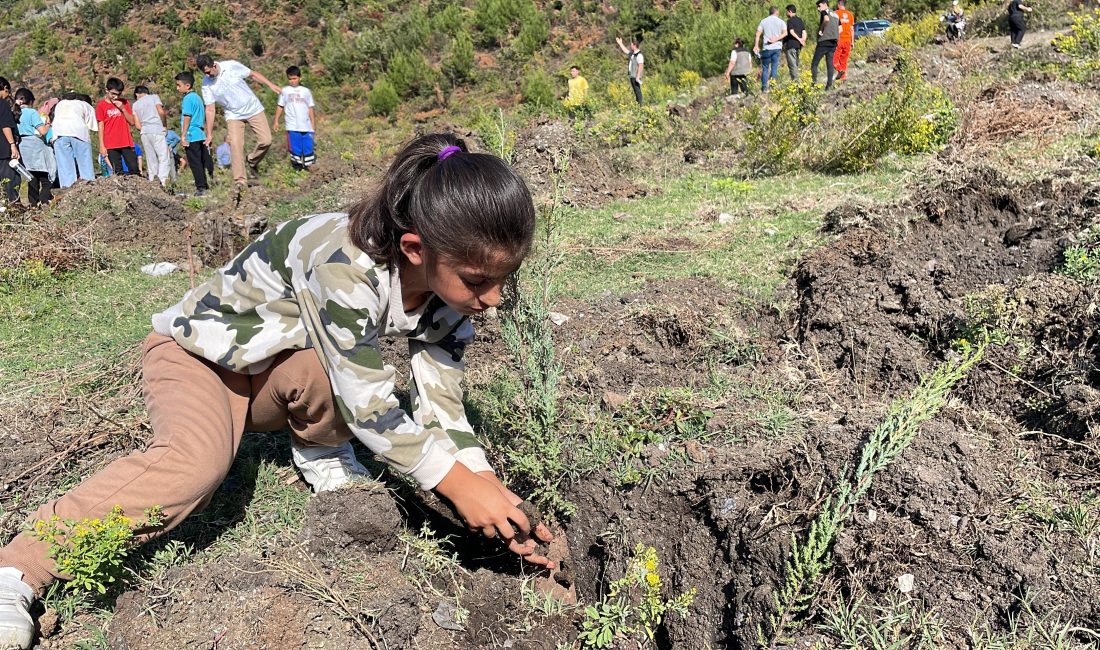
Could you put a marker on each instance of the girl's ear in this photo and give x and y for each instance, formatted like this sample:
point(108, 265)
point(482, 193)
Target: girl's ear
point(412, 248)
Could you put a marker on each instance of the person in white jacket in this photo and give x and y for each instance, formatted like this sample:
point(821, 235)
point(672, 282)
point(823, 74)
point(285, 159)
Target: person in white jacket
point(73, 122)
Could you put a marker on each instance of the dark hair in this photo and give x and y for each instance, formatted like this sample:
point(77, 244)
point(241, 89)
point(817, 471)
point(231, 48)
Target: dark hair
point(186, 77)
point(5, 85)
point(468, 207)
point(738, 42)
point(575, 67)
point(114, 83)
point(141, 90)
point(87, 99)
point(773, 10)
point(25, 95)
point(293, 71)
point(793, 9)
point(637, 39)
point(204, 61)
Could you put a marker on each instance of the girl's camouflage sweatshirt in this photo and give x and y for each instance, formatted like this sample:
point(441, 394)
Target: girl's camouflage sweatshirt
point(305, 285)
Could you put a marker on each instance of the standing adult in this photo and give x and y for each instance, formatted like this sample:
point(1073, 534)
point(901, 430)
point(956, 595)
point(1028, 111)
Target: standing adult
point(635, 67)
point(739, 68)
point(1016, 23)
point(772, 30)
point(828, 31)
point(115, 117)
point(226, 83)
point(9, 146)
point(36, 155)
point(152, 122)
point(794, 41)
point(73, 123)
point(847, 22)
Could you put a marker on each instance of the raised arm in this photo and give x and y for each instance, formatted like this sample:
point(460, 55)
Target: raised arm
point(265, 81)
point(624, 48)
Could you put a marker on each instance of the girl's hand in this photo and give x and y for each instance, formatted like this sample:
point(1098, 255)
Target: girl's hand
point(540, 532)
point(485, 508)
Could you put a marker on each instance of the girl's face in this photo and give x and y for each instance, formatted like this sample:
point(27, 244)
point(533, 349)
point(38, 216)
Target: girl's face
point(467, 288)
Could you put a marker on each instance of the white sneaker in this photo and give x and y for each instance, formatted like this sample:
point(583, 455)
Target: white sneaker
point(327, 468)
point(16, 624)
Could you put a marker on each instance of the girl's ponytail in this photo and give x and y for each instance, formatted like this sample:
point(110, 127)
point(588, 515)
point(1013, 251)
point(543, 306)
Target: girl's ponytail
point(467, 207)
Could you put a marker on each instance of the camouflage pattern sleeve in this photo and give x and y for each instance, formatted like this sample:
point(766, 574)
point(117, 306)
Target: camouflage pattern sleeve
point(436, 393)
point(342, 308)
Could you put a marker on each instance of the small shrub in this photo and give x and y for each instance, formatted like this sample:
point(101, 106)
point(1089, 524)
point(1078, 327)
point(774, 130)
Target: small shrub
point(405, 71)
point(20, 60)
point(169, 18)
point(688, 80)
point(909, 117)
point(776, 128)
point(619, 93)
point(914, 34)
point(537, 88)
point(1082, 44)
point(630, 124)
point(533, 33)
point(124, 37)
point(384, 99)
point(1082, 262)
point(92, 550)
point(252, 38)
point(634, 606)
point(341, 56)
point(114, 11)
point(213, 21)
point(459, 61)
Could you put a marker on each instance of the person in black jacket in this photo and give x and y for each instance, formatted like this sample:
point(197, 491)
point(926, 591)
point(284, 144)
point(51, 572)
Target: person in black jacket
point(1016, 24)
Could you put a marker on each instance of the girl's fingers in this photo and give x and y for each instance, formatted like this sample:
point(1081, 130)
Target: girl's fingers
point(521, 520)
point(543, 533)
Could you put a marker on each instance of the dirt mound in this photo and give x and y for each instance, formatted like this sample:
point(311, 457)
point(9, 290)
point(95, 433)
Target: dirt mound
point(871, 303)
point(124, 211)
point(549, 150)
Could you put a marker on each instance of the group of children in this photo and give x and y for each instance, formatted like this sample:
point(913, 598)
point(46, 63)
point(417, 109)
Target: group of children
point(52, 144)
point(775, 37)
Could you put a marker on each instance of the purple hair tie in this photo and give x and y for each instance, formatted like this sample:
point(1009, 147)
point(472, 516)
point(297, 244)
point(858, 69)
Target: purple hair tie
point(448, 151)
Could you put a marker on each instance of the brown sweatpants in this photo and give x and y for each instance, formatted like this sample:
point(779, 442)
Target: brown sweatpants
point(261, 129)
point(198, 412)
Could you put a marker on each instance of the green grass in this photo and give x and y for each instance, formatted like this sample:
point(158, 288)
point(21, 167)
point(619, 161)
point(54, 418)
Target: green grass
point(675, 234)
point(78, 317)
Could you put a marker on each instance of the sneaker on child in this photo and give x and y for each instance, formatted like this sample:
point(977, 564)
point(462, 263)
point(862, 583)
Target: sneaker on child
point(327, 468)
point(16, 624)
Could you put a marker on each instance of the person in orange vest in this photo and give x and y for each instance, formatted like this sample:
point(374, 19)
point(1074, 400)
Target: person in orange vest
point(844, 43)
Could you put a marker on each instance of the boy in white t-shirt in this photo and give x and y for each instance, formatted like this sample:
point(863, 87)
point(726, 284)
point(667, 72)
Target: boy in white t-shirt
point(297, 101)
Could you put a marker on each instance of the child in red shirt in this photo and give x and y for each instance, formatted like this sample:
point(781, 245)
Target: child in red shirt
point(115, 119)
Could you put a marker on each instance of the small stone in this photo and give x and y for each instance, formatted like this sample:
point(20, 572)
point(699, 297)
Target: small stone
point(964, 596)
point(612, 401)
point(557, 318)
point(695, 452)
point(724, 218)
point(906, 582)
point(872, 515)
point(446, 615)
point(159, 268)
point(771, 232)
point(729, 505)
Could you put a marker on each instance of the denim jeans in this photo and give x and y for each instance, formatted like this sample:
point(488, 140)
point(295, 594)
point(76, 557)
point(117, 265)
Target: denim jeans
point(73, 155)
point(769, 67)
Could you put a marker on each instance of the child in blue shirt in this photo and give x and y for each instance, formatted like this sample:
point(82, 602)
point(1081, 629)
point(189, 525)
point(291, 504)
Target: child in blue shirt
point(193, 130)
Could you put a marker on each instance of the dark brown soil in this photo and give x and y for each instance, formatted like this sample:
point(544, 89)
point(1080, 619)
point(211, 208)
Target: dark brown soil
point(548, 154)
